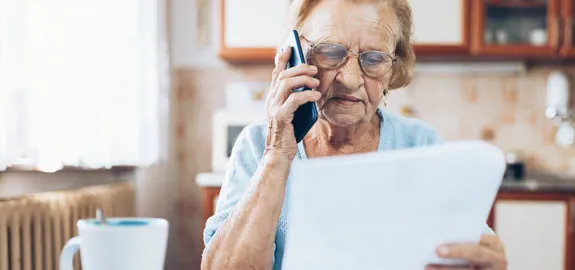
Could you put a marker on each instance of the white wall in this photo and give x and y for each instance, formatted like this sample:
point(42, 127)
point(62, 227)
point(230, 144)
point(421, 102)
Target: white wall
point(183, 24)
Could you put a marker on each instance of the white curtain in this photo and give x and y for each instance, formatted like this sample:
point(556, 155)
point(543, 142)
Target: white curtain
point(82, 83)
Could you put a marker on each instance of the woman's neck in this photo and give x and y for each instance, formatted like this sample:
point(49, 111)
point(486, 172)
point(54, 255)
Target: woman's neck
point(327, 139)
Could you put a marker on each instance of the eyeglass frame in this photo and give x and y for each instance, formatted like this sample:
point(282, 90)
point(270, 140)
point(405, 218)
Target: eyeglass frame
point(349, 52)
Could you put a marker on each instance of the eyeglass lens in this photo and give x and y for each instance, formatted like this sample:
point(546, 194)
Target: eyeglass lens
point(373, 63)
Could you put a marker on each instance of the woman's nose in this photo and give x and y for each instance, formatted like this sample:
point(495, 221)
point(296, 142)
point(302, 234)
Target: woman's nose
point(350, 74)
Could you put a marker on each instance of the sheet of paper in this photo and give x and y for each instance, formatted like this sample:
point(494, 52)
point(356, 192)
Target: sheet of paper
point(389, 210)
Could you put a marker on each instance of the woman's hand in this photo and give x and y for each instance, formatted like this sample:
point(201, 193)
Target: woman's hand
point(489, 254)
point(282, 103)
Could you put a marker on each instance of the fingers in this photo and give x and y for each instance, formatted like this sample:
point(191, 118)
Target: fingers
point(303, 69)
point(281, 61)
point(282, 102)
point(286, 86)
point(292, 78)
point(492, 241)
point(475, 254)
point(295, 100)
point(280, 74)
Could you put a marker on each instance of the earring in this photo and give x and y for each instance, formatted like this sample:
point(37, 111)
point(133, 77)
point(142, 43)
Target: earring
point(385, 97)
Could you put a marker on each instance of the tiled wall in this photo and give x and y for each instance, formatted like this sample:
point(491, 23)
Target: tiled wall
point(510, 106)
point(507, 107)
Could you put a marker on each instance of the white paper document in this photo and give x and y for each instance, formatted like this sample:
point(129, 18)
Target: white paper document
point(389, 210)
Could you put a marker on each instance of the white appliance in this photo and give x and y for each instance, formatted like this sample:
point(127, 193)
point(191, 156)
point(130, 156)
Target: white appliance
point(227, 125)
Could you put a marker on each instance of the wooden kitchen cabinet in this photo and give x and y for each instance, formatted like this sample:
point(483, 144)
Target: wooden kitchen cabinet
point(251, 30)
point(250, 34)
point(568, 20)
point(440, 29)
point(536, 229)
point(209, 200)
point(471, 29)
point(525, 28)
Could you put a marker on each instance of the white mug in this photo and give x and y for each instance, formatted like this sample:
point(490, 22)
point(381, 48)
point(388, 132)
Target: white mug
point(120, 244)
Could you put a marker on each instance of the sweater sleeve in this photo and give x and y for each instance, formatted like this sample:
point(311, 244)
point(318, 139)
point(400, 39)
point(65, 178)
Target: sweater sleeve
point(244, 161)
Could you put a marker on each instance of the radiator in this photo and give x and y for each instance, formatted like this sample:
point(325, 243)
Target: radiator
point(34, 228)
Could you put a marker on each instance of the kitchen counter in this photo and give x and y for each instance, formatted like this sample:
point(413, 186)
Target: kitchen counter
point(210, 180)
point(532, 184)
point(539, 184)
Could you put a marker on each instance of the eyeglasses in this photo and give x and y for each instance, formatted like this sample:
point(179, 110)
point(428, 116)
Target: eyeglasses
point(333, 56)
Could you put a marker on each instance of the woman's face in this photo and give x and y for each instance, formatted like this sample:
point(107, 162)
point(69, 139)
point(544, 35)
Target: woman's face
point(349, 94)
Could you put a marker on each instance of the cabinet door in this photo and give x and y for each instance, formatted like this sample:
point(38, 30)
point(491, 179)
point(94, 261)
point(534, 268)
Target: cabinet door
point(440, 28)
point(210, 198)
point(568, 18)
point(251, 30)
point(527, 28)
point(534, 233)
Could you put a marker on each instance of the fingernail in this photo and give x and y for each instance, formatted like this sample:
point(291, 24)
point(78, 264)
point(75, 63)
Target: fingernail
point(443, 250)
point(314, 68)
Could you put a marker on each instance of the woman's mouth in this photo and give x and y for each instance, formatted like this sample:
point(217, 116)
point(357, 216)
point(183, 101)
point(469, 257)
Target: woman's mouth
point(346, 100)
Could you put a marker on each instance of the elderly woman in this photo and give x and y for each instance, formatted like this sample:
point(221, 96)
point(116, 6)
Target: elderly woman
point(356, 52)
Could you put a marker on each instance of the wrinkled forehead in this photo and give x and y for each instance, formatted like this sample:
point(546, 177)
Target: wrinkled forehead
point(366, 26)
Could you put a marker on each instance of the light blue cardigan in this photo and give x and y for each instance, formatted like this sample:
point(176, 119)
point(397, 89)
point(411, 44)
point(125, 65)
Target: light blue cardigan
point(396, 132)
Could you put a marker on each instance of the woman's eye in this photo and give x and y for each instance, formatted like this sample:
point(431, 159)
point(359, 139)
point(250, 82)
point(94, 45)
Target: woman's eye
point(333, 53)
point(373, 58)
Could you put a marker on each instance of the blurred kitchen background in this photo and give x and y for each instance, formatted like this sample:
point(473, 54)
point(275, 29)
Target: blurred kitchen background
point(133, 106)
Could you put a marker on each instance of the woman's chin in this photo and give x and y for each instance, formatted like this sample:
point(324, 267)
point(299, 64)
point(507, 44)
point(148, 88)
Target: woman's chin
point(343, 118)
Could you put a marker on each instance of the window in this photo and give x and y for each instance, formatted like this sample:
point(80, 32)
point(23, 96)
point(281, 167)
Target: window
point(82, 83)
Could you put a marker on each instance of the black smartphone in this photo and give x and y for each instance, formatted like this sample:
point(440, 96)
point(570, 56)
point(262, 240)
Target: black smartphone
point(306, 115)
